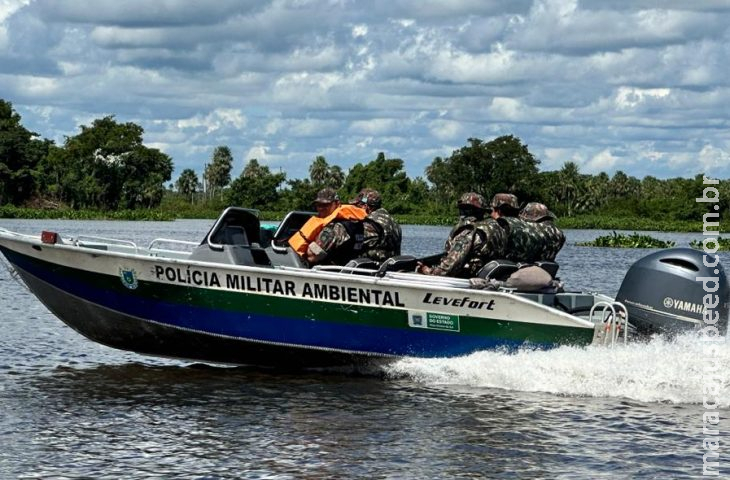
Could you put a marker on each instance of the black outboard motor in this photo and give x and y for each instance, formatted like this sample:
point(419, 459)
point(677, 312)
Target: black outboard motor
point(662, 292)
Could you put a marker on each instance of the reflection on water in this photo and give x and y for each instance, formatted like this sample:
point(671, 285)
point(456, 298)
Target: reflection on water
point(194, 422)
point(75, 409)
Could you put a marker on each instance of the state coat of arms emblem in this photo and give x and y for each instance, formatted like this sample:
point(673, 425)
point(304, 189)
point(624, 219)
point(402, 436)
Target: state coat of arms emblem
point(129, 277)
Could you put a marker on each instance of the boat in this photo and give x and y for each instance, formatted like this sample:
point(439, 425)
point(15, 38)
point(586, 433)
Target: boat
point(242, 296)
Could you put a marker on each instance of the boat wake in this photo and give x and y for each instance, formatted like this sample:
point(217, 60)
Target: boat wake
point(661, 370)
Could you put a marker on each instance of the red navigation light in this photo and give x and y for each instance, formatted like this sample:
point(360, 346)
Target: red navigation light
point(49, 237)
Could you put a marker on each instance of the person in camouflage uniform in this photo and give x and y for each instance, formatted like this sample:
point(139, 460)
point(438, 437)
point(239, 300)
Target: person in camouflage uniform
point(473, 242)
point(552, 238)
point(339, 241)
point(382, 233)
point(524, 240)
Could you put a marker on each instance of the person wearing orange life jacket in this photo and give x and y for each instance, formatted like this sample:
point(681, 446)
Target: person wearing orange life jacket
point(335, 236)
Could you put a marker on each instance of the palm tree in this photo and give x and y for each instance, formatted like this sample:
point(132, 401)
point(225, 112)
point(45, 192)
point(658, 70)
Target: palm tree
point(319, 171)
point(594, 194)
point(623, 186)
point(187, 183)
point(570, 185)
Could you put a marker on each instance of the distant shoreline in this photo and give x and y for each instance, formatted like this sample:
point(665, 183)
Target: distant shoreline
point(583, 222)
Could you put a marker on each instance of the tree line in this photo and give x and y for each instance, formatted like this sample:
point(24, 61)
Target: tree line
point(107, 166)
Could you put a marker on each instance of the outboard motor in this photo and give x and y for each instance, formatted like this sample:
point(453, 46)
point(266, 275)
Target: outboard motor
point(662, 292)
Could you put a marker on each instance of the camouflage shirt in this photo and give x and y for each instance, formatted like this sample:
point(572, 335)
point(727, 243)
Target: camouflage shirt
point(338, 243)
point(382, 236)
point(552, 238)
point(471, 244)
point(529, 242)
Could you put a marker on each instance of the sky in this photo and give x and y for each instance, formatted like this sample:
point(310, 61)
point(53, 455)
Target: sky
point(641, 86)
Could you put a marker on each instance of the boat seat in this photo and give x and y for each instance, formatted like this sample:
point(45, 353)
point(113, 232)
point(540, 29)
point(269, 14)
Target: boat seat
point(498, 269)
point(575, 302)
point(432, 260)
point(362, 262)
point(235, 226)
point(549, 299)
point(234, 240)
point(399, 263)
point(266, 235)
point(232, 255)
point(290, 225)
point(284, 256)
point(502, 269)
point(233, 235)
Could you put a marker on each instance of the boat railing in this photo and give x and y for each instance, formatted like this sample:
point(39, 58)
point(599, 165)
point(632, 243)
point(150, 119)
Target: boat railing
point(435, 280)
point(154, 246)
point(93, 241)
point(410, 277)
point(344, 269)
point(103, 243)
point(612, 320)
point(14, 234)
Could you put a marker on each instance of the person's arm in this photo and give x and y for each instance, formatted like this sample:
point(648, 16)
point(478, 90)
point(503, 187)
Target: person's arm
point(455, 257)
point(329, 238)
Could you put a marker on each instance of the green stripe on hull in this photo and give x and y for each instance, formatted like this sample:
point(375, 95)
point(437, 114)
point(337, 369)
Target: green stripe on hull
point(313, 310)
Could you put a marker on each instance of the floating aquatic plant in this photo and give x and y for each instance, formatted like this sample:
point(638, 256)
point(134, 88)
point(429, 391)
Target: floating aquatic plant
point(620, 240)
point(723, 242)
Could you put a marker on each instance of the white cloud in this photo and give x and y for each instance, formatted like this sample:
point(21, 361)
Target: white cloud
point(40, 87)
point(714, 161)
point(640, 85)
point(446, 130)
point(359, 30)
point(509, 109)
point(555, 158)
point(627, 97)
point(556, 25)
point(310, 128)
point(375, 126)
point(141, 12)
point(215, 120)
point(8, 7)
point(603, 161)
point(259, 152)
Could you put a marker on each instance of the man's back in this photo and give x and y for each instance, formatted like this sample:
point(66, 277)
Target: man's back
point(382, 236)
point(524, 240)
point(471, 244)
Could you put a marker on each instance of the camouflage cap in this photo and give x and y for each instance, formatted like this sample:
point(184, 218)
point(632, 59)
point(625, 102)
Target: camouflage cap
point(369, 197)
point(505, 199)
point(535, 212)
point(326, 195)
point(473, 199)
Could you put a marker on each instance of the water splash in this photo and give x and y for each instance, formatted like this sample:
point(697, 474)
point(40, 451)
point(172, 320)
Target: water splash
point(661, 370)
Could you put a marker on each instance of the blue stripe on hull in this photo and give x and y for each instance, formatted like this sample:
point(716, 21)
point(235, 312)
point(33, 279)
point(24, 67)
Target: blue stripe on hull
point(399, 340)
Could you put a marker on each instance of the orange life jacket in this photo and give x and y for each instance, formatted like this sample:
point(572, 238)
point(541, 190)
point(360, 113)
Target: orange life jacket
point(309, 231)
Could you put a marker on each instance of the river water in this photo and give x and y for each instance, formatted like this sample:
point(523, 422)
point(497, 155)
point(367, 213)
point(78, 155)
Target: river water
point(73, 409)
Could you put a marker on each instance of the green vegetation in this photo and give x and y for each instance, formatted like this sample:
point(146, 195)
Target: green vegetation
point(619, 240)
point(107, 172)
point(106, 167)
point(9, 211)
point(605, 222)
point(724, 244)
